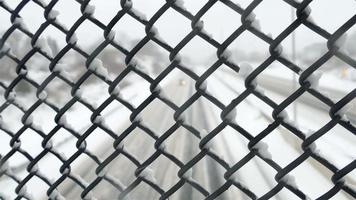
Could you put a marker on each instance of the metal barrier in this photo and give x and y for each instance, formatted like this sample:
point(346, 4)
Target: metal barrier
point(307, 80)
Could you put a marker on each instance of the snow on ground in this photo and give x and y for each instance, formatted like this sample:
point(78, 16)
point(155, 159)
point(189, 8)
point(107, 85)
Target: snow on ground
point(336, 146)
point(63, 142)
point(230, 146)
point(252, 114)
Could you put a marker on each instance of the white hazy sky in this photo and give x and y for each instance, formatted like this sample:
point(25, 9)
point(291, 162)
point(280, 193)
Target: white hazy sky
point(220, 21)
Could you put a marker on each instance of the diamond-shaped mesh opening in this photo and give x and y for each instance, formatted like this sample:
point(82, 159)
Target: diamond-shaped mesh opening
point(229, 136)
point(198, 63)
point(42, 113)
point(49, 165)
point(63, 188)
point(331, 22)
point(105, 190)
point(38, 183)
point(25, 93)
point(93, 83)
point(87, 175)
point(248, 48)
point(77, 123)
point(332, 140)
point(306, 120)
point(112, 113)
point(58, 92)
point(313, 188)
point(180, 27)
point(154, 111)
point(72, 65)
point(211, 171)
point(213, 18)
point(127, 173)
point(283, 145)
point(54, 40)
point(89, 36)
point(72, 7)
point(95, 147)
point(257, 176)
point(64, 143)
point(32, 14)
point(15, 160)
point(105, 12)
point(113, 60)
point(19, 43)
point(339, 70)
point(135, 140)
point(9, 183)
point(225, 84)
point(152, 59)
point(128, 31)
point(182, 82)
point(310, 46)
point(269, 81)
point(142, 88)
point(37, 68)
point(259, 117)
point(31, 142)
point(197, 115)
point(267, 19)
point(171, 170)
point(189, 151)
point(11, 122)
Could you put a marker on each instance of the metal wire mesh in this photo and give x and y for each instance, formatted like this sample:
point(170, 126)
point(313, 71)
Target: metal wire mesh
point(227, 111)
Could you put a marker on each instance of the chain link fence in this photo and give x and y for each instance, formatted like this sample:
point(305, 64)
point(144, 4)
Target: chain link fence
point(93, 67)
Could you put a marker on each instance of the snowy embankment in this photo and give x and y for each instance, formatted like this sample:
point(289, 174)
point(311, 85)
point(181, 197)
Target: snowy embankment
point(63, 142)
point(251, 114)
point(337, 145)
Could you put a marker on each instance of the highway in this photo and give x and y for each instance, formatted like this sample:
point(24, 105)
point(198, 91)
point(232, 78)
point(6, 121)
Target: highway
point(337, 145)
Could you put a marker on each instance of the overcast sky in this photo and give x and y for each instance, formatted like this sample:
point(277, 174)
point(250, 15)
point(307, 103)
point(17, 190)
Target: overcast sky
point(220, 21)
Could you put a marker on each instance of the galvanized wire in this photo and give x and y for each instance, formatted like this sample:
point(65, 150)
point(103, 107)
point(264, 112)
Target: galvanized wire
point(305, 86)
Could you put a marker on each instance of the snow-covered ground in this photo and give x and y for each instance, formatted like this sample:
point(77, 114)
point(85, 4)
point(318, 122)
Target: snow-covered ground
point(309, 114)
point(77, 118)
point(252, 114)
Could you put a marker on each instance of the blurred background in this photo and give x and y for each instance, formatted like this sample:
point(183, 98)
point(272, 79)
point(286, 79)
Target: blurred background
point(277, 82)
point(220, 21)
